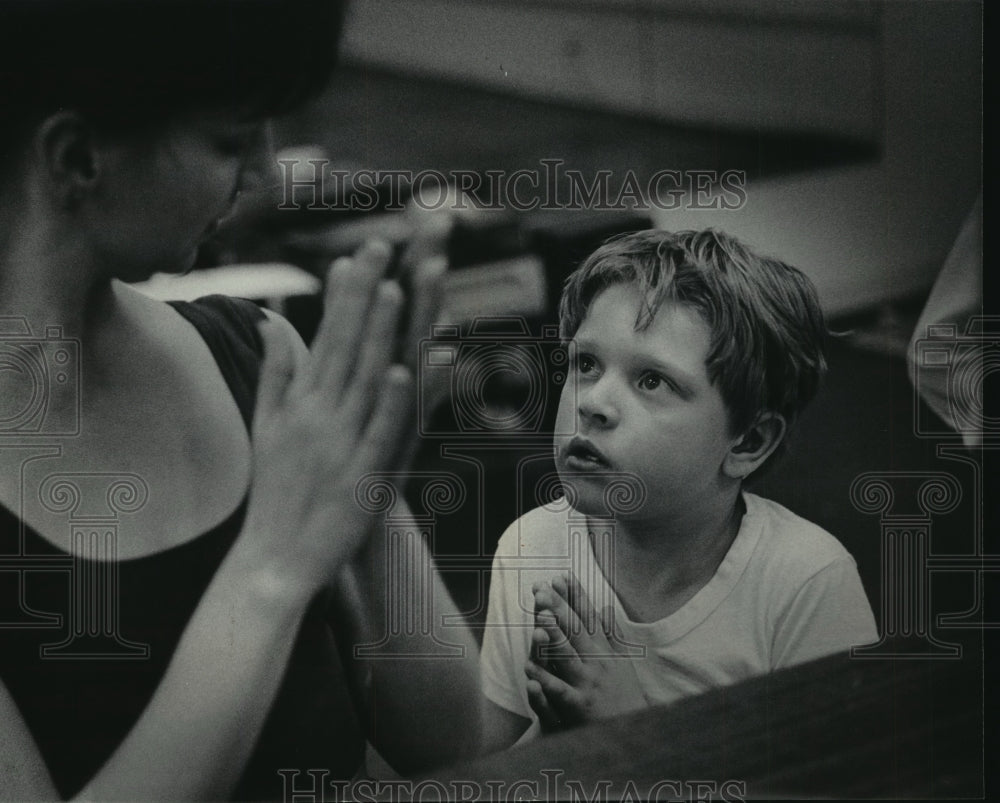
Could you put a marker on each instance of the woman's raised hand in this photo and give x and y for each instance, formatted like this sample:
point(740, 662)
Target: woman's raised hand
point(324, 420)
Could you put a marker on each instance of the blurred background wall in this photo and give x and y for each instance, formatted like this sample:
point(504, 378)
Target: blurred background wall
point(747, 63)
point(903, 76)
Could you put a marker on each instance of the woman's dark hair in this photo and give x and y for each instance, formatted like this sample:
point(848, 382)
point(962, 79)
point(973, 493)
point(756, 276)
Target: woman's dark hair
point(128, 64)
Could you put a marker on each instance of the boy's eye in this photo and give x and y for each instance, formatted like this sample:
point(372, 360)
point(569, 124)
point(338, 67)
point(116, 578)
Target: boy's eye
point(651, 381)
point(585, 363)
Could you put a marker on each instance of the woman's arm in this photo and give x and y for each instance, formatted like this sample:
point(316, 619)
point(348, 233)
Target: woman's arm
point(318, 427)
point(194, 738)
point(421, 712)
point(200, 728)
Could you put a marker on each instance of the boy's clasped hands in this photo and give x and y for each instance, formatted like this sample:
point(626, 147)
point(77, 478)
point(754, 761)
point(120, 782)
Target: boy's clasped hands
point(580, 670)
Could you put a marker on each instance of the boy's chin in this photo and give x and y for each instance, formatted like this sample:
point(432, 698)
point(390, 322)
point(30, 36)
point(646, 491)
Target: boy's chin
point(608, 495)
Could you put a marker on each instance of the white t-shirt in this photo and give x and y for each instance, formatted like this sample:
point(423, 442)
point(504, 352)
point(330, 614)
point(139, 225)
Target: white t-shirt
point(786, 592)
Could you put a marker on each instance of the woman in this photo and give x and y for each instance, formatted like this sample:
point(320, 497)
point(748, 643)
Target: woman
point(194, 637)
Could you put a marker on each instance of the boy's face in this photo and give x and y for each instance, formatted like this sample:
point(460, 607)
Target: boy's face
point(643, 406)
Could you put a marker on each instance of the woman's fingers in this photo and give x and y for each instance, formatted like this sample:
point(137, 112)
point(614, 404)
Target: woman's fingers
point(431, 232)
point(374, 451)
point(350, 292)
point(382, 434)
point(365, 386)
point(426, 288)
point(276, 370)
point(345, 312)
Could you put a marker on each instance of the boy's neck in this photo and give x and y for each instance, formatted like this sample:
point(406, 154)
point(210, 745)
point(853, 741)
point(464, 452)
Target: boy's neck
point(672, 559)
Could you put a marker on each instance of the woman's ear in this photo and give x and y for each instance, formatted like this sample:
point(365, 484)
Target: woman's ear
point(67, 153)
point(754, 446)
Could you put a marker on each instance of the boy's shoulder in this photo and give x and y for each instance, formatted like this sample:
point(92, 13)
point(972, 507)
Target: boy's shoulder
point(541, 532)
point(773, 541)
point(787, 541)
point(543, 527)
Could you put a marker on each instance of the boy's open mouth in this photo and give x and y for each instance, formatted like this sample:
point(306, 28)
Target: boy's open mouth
point(582, 454)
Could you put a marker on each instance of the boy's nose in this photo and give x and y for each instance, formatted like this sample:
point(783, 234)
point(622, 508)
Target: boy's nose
point(597, 403)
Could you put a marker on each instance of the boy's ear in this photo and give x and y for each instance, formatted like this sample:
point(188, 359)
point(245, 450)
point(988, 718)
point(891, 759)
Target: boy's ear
point(754, 446)
point(65, 146)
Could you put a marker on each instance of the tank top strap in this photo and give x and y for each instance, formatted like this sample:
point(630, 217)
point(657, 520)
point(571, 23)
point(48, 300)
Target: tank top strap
point(229, 328)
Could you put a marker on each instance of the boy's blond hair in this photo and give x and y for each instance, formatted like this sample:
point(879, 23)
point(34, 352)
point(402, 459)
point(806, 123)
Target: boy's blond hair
point(767, 329)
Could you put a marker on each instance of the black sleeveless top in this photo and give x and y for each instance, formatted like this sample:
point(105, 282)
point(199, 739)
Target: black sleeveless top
point(81, 682)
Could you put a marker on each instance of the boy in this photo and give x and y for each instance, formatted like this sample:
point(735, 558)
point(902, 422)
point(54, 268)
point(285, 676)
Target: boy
point(663, 578)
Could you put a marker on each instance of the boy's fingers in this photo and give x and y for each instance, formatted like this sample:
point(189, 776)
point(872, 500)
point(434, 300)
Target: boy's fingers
point(558, 654)
point(608, 625)
point(569, 622)
point(553, 616)
point(547, 716)
point(543, 596)
point(562, 698)
point(540, 705)
point(539, 639)
point(568, 586)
